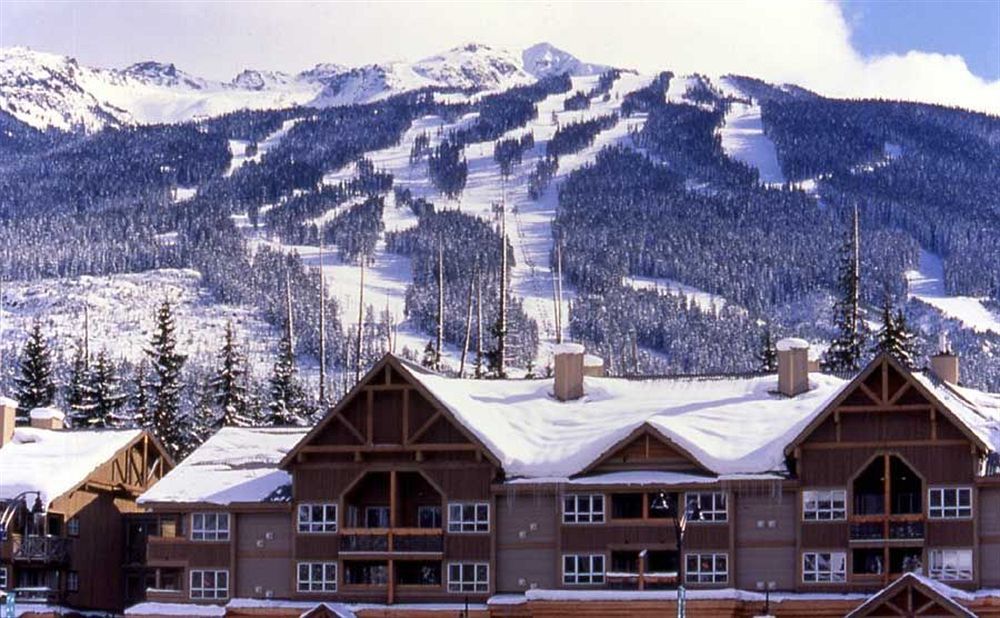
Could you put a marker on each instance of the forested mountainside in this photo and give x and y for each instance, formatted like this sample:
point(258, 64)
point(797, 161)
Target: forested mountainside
point(672, 223)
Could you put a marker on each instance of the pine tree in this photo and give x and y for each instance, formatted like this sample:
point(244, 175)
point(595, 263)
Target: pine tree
point(894, 337)
point(167, 421)
point(206, 417)
point(35, 386)
point(228, 385)
point(847, 347)
point(287, 404)
point(109, 398)
point(79, 392)
point(768, 354)
point(430, 357)
point(139, 414)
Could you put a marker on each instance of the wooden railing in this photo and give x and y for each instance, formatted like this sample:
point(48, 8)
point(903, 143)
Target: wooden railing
point(887, 527)
point(392, 540)
point(46, 549)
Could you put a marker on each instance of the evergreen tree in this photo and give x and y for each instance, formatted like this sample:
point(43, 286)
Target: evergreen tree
point(167, 421)
point(109, 398)
point(847, 347)
point(894, 336)
point(768, 354)
point(228, 385)
point(80, 393)
point(430, 357)
point(206, 418)
point(35, 386)
point(287, 404)
point(139, 405)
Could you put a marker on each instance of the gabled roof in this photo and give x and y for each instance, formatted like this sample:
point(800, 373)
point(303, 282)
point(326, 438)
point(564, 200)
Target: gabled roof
point(55, 462)
point(408, 370)
point(642, 430)
point(971, 423)
point(237, 464)
point(934, 595)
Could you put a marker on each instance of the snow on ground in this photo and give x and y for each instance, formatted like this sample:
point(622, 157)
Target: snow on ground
point(706, 301)
point(121, 314)
point(744, 140)
point(927, 284)
point(238, 148)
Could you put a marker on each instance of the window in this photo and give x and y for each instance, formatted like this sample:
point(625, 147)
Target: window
point(950, 502)
point(3, 578)
point(468, 577)
point(72, 581)
point(317, 577)
point(706, 569)
point(824, 567)
point(317, 518)
point(469, 517)
point(209, 584)
point(429, 517)
point(824, 505)
point(583, 509)
point(951, 564)
point(210, 526)
point(73, 527)
point(376, 517)
point(626, 506)
point(583, 569)
point(712, 505)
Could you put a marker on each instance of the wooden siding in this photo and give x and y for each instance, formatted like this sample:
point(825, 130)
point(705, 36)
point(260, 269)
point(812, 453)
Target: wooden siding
point(765, 566)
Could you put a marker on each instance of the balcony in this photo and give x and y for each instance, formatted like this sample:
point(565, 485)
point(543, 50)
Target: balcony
point(37, 594)
point(898, 528)
point(41, 549)
point(392, 540)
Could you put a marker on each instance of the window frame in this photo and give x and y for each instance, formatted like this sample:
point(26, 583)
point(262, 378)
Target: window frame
point(73, 527)
point(72, 581)
point(4, 577)
point(715, 511)
point(311, 585)
point(476, 585)
point(594, 517)
point(942, 551)
point(593, 577)
point(713, 573)
point(434, 508)
point(832, 498)
point(312, 526)
point(817, 572)
point(461, 526)
point(943, 511)
point(219, 535)
point(203, 590)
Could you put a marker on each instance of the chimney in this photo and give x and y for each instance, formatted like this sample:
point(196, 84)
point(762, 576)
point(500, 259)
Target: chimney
point(793, 366)
point(47, 418)
point(569, 371)
point(593, 366)
point(944, 364)
point(8, 416)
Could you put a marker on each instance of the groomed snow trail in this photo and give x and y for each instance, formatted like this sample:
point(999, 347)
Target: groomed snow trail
point(927, 284)
point(238, 147)
point(744, 140)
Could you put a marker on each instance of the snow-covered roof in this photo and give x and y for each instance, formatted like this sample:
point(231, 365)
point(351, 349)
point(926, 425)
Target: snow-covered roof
point(792, 343)
point(54, 462)
point(730, 425)
point(944, 590)
point(977, 410)
point(237, 464)
point(7, 402)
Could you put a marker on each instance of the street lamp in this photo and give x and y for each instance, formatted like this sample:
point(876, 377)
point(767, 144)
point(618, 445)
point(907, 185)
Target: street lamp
point(681, 517)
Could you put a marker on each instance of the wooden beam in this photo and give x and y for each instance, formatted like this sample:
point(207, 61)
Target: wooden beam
point(370, 411)
point(899, 394)
point(871, 395)
point(919, 407)
point(825, 446)
point(426, 426)
point(350, 426)
point(406, 416)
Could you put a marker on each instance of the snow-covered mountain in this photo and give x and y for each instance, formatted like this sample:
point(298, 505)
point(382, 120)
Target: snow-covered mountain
point(48, 90)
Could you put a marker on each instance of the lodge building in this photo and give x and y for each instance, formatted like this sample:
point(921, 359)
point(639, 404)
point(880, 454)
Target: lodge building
point(804, 492)
point(419, 494)
point(66, 540)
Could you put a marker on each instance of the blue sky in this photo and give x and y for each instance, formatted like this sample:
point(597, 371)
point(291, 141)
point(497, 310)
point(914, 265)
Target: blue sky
point(970, 28)
point(923, 50)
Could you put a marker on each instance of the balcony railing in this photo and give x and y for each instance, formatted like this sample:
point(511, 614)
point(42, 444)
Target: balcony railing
point(899, 528)
point(392, 540)
point(44, 549)
point(37, 594)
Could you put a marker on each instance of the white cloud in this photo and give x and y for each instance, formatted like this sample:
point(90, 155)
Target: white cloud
point(805, 42)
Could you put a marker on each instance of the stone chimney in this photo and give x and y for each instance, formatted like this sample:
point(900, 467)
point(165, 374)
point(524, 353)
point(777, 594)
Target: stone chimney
point(793, 366)
point(8, 416)
point(944, 364)
point(47, 418)
point(569, 371)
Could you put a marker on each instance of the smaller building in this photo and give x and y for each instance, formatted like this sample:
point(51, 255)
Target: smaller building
point(64, 500)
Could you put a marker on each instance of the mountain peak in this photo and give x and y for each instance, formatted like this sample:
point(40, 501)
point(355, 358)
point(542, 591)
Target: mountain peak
point(545, 60)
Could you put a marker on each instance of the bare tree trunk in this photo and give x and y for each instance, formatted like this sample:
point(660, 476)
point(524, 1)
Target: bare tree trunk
point(468, 326)
point(439, 344)
point(502, 318)
point(361, 323)
point(322, 326)
point(479, 328)
point(289, 326)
